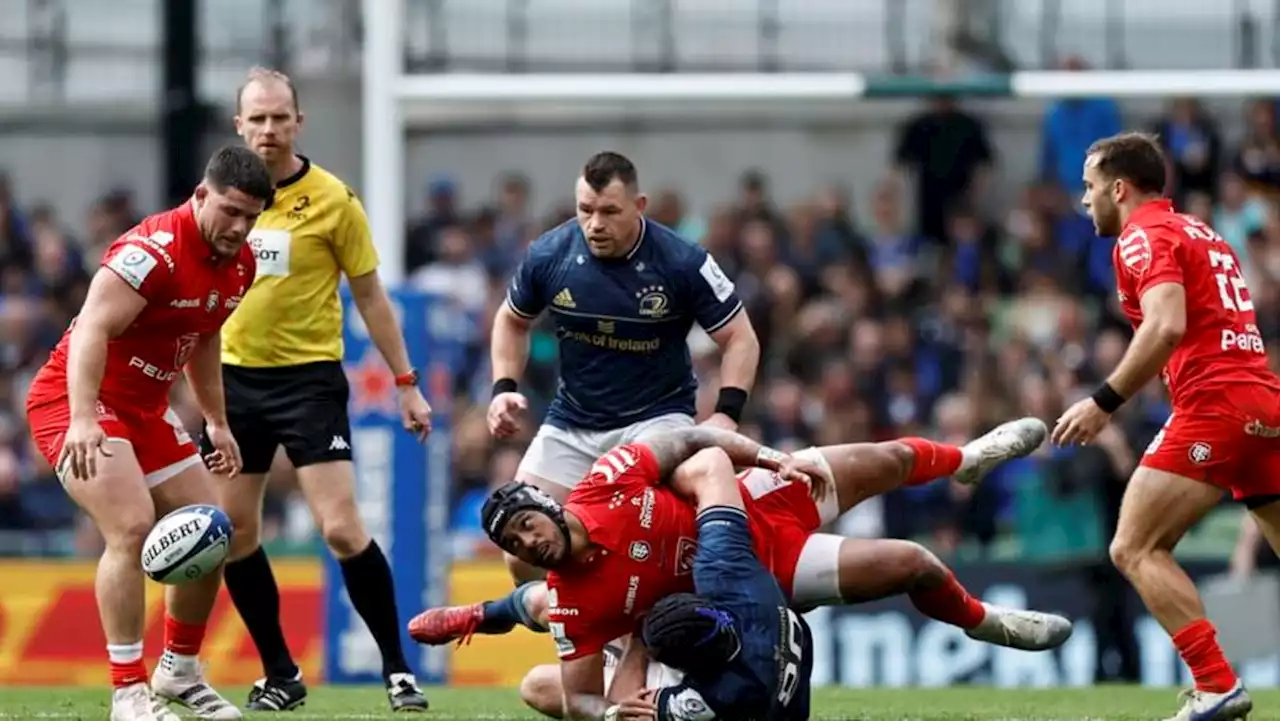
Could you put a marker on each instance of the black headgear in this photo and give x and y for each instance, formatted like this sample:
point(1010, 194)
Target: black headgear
point(689, 633)
point(514, 497)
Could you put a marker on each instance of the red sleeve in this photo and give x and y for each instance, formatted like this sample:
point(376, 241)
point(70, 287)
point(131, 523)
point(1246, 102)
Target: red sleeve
point(626, 464)
point(1149, 257)
point(574, 618)
point(142, 261)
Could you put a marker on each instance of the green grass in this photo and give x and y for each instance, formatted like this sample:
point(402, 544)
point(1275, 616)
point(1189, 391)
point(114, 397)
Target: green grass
point(449, 704)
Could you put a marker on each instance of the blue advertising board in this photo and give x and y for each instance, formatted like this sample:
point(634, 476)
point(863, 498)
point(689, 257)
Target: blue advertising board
point(402, 485)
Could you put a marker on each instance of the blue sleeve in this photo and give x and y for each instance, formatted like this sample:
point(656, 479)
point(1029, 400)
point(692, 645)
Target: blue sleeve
point(725, 567)
point(525, 294)
point(686, 703)
point(715, 301)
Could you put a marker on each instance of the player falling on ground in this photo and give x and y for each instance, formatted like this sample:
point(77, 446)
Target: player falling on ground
point(1180, 285)
point(624, 293)
point(99, 412)
point(623, 541)
point(742, 653)
point(282, 366)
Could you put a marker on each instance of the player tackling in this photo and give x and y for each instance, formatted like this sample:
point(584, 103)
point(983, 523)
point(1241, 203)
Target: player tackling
point(624, 540)
point(99, 413)
point(1180, 285)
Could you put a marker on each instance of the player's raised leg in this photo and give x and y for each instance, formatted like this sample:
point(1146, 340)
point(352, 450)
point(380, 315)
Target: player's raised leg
point(179, 677)
point(329, 489)
point(1158, 509)
point(117, 500)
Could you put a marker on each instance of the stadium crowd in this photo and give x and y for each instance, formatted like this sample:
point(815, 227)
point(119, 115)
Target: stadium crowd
point(874, 322)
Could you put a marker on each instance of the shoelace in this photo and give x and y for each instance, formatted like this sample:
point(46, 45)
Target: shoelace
point(469, 628)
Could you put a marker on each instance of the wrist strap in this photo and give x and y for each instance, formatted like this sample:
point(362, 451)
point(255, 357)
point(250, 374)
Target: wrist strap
point(1107, 398)
point(611, 713)
point(769, 458)
point(731, 402)
point(504, 385)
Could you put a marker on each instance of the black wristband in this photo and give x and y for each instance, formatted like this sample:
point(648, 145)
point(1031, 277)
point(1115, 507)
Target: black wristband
point(731, 402)
point(1107, 398)
point(504, 385)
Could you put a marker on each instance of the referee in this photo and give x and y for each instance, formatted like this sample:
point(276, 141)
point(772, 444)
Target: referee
point(285, 386)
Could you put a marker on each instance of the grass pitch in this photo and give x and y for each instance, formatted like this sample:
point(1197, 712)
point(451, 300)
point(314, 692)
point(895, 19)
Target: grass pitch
point(459, 704)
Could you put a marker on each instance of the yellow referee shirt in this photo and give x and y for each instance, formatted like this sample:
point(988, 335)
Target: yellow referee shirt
point(315, 231)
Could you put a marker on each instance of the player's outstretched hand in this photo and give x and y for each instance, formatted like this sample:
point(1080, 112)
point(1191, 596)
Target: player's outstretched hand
point(803, 471)
point(415, 412)
point(225, 459)
point(505, 413)
point(1080, 424)
point(639, 707)
point(85, 439)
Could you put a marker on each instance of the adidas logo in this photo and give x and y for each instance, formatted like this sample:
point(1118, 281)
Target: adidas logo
point(563, 299)
point(339, 444)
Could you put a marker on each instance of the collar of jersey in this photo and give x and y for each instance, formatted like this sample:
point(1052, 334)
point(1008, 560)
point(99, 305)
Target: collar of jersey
point(644, 228)
point(302, 172)
point(1151, 207)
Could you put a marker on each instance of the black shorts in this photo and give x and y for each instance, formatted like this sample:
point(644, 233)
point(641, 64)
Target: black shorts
point(303, 408)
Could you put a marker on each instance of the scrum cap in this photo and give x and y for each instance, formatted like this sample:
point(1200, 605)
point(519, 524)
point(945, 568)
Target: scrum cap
point(688, 632)
point(510, 499)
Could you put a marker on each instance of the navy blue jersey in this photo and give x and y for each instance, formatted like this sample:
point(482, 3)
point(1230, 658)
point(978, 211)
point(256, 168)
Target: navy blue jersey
point(769, 678)
point(622, 322)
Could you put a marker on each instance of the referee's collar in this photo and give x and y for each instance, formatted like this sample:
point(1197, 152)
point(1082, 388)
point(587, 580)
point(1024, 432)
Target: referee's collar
point(306, 166)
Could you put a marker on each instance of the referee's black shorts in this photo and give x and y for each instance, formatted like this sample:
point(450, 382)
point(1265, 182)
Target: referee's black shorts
point(302, 407)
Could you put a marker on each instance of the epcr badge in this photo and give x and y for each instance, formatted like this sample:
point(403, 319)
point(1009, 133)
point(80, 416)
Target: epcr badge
point(639, 550)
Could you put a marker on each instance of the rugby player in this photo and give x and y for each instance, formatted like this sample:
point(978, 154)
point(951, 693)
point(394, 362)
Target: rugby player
point(1181, 286)
point(624, 293)
point(622, 542)
point(282, 367)
point(742, 653)
point(99, 413)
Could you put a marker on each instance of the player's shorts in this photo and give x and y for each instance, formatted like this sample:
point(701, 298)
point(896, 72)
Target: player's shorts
point(805, 563)
point(1232, 442)
point(159, 440)
point(564, 456)
point(302, 407)
point(659, 675)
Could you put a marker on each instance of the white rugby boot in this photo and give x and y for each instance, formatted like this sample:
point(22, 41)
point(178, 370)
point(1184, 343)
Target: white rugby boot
point(1208, 706)
point(181, 681)
point(1006, 441)
point(1021, 629)
point(137, 703)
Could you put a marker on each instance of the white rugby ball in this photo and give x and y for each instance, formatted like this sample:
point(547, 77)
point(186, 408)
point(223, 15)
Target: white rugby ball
point(187, 545)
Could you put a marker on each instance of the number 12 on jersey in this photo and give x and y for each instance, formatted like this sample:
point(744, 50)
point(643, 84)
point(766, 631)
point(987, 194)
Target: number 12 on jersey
point(1231, 285)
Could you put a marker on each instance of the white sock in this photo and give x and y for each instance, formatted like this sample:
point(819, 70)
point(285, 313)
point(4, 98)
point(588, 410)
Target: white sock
point(124, 652)
point(179, 663)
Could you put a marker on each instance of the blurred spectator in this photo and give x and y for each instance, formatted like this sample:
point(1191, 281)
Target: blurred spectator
point(1237, 215)
point(422, 239)
point(1070, 126)
point(1190, 138)
point(1258, 158)
point(949, 153)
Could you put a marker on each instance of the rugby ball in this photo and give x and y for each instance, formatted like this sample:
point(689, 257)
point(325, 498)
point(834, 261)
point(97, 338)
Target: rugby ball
point(187, 545)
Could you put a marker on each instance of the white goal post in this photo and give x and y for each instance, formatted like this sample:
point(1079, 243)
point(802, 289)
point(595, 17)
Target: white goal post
point(394, 101)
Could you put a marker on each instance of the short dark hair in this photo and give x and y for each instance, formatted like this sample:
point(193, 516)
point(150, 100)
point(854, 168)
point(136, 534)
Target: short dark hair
point(238, 167)
point(604, 168)
point(1135, 157)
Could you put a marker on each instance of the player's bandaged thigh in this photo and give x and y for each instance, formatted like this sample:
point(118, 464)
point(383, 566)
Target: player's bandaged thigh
point(636, 431)
point(561, 456)
point(817, 577)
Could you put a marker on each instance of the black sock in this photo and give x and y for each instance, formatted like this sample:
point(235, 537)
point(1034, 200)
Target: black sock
point(253, 590)
point(373, 595)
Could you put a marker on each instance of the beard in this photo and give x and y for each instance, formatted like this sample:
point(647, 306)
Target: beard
point(1106, 220)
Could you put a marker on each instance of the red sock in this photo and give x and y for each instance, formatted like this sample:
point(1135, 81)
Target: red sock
point(181, 638)
point(933, 460)
point(949, 603)
point(127, 667)
point(1197, 643)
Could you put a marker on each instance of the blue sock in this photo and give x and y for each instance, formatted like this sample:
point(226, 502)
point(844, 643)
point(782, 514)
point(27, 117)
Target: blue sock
point(503, 614)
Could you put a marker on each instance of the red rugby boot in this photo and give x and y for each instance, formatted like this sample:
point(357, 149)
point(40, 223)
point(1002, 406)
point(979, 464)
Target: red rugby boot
point(438, 626)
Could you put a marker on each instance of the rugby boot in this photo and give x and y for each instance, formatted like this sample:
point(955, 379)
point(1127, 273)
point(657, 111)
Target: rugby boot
point(438, 626)
point(404, 694)
point(137, 703)
point(1208, 706)
point(182, 682)
point(1021, 629)
point(1006, 441)
point(270, 694)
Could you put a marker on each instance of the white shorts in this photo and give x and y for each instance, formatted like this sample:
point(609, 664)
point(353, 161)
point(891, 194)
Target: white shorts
point(564, 456)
